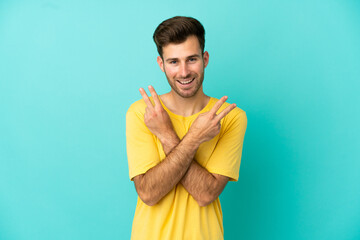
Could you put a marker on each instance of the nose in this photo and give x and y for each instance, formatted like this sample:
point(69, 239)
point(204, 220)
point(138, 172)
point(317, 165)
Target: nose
point(184, 70)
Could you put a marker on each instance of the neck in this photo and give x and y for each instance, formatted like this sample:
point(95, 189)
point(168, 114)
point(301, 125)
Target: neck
point(185, 106)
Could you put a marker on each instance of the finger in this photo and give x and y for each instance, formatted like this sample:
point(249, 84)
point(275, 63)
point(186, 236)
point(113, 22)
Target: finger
point(224, 112)
point(146, 98)
point(218, 104)
point(155, 96)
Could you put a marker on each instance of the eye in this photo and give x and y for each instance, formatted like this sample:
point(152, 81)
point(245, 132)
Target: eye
point(173, 62)
point(192, 59)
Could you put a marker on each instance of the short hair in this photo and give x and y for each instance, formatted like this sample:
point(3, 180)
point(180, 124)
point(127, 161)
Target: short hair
point(177, 30)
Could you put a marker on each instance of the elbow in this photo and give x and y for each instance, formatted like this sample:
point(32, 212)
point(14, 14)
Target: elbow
point(203, 203)
point(149, 202)
point(205, 200)
point(148, 199)
point(145, 194)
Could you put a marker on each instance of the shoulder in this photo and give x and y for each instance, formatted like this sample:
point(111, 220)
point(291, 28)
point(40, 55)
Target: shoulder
point(136, 112)
point(137, 107)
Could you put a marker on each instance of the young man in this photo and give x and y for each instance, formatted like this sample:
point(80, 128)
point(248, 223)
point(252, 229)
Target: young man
point(183, 146)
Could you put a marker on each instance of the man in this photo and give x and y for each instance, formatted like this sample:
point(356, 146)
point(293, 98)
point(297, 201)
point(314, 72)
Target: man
point(183, 146)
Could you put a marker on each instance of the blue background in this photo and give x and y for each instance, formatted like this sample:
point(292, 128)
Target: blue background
point(70, 69)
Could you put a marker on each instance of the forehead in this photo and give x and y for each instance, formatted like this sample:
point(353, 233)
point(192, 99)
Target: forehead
point(190, 47)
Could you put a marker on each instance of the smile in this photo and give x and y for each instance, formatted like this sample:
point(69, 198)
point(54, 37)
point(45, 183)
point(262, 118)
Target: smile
point(185, 82)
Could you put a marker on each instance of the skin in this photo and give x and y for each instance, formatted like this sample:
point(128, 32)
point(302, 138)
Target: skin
point(182, 62)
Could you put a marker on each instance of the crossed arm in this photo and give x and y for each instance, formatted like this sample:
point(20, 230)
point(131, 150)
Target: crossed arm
point(204, 186)
point(179, 165)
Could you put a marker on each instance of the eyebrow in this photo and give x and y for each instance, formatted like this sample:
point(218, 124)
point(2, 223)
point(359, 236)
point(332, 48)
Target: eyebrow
point(195, 55)
point(175, 59)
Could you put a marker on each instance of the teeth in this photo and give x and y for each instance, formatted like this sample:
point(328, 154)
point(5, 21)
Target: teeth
point(186, 81)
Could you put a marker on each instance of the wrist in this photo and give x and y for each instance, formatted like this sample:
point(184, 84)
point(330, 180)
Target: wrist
point(169, 139)
point(192, 140)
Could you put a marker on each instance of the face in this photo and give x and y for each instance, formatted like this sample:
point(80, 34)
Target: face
point(183, 65)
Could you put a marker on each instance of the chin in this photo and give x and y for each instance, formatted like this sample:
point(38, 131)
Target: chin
point(186, 94)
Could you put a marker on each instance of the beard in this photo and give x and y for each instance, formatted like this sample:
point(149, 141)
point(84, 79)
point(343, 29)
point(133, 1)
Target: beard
point(194, 89)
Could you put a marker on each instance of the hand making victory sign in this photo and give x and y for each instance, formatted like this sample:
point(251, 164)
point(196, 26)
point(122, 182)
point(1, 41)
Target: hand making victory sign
point(204, 128)
point(207, 125)
point(156, 118)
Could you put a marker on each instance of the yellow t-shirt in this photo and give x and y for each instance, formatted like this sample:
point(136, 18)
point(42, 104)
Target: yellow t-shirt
point(178, 215)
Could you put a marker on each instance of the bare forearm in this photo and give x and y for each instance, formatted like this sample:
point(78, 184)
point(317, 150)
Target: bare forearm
point(201, 184)
point(197, 180)
point(169, 142)
point(159, 180)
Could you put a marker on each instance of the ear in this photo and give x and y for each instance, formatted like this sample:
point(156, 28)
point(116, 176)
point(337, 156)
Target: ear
point(160, 62)
point(206, 58)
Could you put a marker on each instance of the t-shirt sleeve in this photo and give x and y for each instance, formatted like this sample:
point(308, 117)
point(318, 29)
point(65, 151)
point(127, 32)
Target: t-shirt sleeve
point(141, 148)
point(226, 158)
